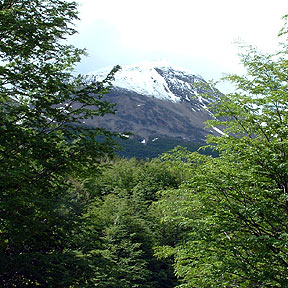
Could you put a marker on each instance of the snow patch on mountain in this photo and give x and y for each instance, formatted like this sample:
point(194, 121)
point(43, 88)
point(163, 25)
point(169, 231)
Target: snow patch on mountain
point(154, 79)
point(219, 131)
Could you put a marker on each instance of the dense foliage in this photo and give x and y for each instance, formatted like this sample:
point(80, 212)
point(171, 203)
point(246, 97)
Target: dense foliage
point(121, 218)
point(235, 206)
point(42, 143)
point(72, 216)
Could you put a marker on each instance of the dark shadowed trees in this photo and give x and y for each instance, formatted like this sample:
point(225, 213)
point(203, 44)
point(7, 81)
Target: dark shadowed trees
point(43, 142)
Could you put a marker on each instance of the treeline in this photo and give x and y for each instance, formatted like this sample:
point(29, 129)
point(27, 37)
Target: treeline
point(129, 148)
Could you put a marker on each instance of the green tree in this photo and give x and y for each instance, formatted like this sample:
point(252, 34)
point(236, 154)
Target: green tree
point(127, 246)
point(119, 228)
point(43, 141)
point(234, 208)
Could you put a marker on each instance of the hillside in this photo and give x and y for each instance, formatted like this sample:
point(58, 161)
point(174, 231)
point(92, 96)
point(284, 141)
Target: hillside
point(158, 103)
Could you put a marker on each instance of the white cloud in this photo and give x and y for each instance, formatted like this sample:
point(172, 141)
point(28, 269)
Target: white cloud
point(186, 31)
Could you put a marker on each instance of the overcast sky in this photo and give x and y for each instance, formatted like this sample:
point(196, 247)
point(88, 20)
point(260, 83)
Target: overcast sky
point(196, 35)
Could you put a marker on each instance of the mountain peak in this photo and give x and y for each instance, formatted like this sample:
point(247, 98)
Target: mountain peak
point(157, 79)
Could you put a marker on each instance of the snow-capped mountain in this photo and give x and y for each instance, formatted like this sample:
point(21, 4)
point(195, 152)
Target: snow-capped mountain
point(157, 79)
point(156, 100)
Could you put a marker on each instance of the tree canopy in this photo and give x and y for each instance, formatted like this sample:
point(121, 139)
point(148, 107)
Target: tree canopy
point(235, 206)
point(43, 141)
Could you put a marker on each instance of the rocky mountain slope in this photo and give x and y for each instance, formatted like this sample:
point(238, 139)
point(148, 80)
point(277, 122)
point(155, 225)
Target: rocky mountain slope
point(156, 101)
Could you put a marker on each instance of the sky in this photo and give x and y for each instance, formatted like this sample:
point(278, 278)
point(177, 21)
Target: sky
point(201, 35)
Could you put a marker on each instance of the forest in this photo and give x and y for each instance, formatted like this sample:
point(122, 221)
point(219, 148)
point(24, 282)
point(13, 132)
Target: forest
point(73, 214)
